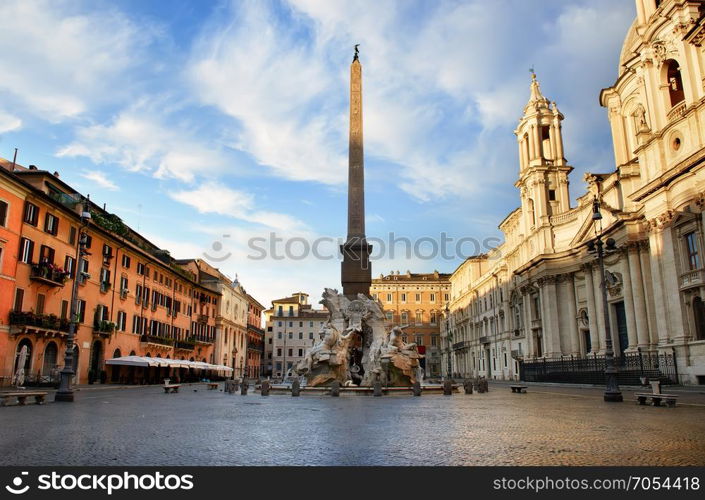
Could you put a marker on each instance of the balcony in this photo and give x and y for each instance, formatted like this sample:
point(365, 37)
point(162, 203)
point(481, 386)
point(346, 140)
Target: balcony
point(48, 274)
point(47, 325)
point(153, 339)
point(692, 279)
point(104, 328)
point(485, 340)
point(186, 345)
point(677, 111)
point(461, 345)
point(201, 340)
point(202, 318)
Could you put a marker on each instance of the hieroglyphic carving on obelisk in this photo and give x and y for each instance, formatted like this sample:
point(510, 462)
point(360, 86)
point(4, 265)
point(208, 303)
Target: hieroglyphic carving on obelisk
point(356, 273)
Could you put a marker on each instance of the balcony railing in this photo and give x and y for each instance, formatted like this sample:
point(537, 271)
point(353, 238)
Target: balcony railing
point(153, 339)
point(187, 345)
point(692, 278)
point(48, 274)
point(39, 321)
point(104, 328)
point(484, 340)
point(202, 318)
point(677, 111)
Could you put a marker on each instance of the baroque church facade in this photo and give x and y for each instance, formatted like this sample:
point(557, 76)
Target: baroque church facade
point(538, 296)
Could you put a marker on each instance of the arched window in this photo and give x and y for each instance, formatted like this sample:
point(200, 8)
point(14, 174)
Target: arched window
point(50, 355)
point(699, 313)
point(28, 358)
point(532, 213)
point(117, 353)
point(674, 82)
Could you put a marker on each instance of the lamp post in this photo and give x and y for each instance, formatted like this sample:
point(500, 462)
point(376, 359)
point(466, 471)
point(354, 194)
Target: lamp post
point(65, 391)
point(612, 393)
point(448, 337)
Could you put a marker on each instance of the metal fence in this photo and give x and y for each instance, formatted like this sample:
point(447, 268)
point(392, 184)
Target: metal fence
point(632, 369)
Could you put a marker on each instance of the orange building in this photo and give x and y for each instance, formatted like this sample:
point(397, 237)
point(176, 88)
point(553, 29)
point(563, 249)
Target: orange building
point(416, 301)
point(255, 337)
point(133, 298)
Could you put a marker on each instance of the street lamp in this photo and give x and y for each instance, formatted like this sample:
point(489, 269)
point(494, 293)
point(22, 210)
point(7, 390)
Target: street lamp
point(612, 393)
point(448, 337)
point(65, 391)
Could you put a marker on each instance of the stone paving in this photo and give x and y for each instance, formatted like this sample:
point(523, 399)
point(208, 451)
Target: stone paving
point(547, 426)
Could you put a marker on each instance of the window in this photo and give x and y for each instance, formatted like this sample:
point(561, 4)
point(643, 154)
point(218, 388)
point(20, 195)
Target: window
point(291, 311)
point(19, 298)
point(434, 318)
point(64, 309)
point(291, 352)
point(418, 298)
point(301, 335)
point(404, 318)
point(31, 213)
point(419, 340)
point(403, 298)
point(279, 351)
point(46, 254)
point(691, 240)
point(40, 303)
point(433, 297)
point(81, 312)
point(51, 224)
point(69, 265)
point(291, 335)
point(26, 250)
point(389, 297)
point(3, 213)
point(123, 283)
point(434, 340)
point(419, 317)
point(310, 335)
point(446, 297)
point(674, 82)
point(279, 335)
point(390, 316)
point(126, 261)
point(301, 352)
point(551, 195)
point(121, 321)
point(140, 268)
point(88, 239)
point(72, 235)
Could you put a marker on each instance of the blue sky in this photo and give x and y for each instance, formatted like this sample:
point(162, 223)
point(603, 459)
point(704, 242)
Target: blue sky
point(207, 124)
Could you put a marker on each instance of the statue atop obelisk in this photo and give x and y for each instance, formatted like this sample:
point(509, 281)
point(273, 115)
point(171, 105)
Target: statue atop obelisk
point(356, 272)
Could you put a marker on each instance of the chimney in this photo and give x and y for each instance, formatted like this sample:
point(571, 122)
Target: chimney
point(33, 167)
point(56, 174)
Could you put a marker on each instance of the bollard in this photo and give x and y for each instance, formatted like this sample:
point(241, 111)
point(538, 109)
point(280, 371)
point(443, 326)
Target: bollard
point(335, 389)
point(467, 385)
point(448, 388)
point(416, 388)
point(377, 388)
point(295, 388)
point(264, 388)
point(243, 388)
point(235, 385)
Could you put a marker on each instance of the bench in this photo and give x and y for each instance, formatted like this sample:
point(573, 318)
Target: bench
point(518, 388)
point(670, 399)
point(212, 385)
point(171, 388)
point(22, 397)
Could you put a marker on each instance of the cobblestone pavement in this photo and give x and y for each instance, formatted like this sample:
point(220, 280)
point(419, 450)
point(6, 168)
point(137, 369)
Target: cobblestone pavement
point(547, 426)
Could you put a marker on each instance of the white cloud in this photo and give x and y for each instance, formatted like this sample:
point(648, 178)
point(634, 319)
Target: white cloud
point(212, 197)
point(100, 179)
point(8, 122)
point(138, 141)
point(59, 62)
point(256, 72)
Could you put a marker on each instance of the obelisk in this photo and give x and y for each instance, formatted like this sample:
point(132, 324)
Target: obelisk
point(356, 272)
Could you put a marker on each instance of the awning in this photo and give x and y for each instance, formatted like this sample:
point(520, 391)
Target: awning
point(176, 363)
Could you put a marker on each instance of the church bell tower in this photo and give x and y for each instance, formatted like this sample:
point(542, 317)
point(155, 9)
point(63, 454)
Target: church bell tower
point(543, 172)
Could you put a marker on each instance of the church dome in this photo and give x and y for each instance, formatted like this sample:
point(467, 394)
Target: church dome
point(627, 53)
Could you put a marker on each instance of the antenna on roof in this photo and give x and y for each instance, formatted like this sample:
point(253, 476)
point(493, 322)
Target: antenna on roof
point(14, 160)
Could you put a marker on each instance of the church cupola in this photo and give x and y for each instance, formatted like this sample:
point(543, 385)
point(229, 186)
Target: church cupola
point(543, 172)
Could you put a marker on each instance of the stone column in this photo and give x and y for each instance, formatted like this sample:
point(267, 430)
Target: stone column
point(597, 282)
point(592, 311)
point(656, 245)
point(629, 309)
point(648, 285)
point(642, 326)
point(572, 314)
